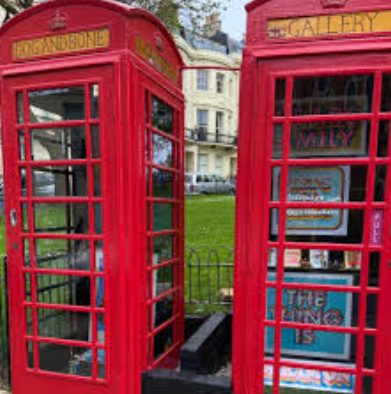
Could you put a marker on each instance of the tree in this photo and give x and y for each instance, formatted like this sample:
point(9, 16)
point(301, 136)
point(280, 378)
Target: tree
point(175, 14)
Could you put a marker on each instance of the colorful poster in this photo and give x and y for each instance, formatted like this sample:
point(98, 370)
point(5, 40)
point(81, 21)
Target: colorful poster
point(313, 307)
point(301, 378)
point(377, 227)
point(314, 184)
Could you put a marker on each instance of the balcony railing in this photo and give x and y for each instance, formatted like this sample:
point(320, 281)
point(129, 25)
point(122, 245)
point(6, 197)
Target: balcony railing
point(200, 134)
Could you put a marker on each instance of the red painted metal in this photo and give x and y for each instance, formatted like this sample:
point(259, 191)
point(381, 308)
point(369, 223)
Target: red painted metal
point(125, 77)
point(266, 61)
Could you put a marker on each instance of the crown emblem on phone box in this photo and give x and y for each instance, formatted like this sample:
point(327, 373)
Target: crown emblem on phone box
point(334, 3)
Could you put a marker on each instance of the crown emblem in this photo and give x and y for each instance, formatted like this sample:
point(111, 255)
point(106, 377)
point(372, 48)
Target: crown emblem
point(159, 42)
point(334, 3)
point(59, 21)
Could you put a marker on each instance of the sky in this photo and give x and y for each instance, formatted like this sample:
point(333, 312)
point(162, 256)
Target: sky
point(234, 18)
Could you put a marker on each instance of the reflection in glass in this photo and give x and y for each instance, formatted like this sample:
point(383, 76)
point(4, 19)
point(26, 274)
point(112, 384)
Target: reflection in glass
point(380, 183)
point(64, 181)
point(94, 92)
point(23, 182)
point(68, 360)
point(162, 116)
point(29, 321)
point(332, 95)
point(163, 184)
point(95, 138)
point(280, 97)
point(163, 248)
point(383, 139)
point(26, 253)
point(27, 287)
point(55, 105)
point(63, 290)
point(97, 182)
point(162, 151)
point(61, 218)
point(278, 133)
point(58, 144)
point(163, 341)
point(98, 218)
point(22, 146)
point(20, 108)
point(65, 254)
point(30, 355)
point(346, 138)
point(386, 94)
point(25, 217)
point(162, 280)
point(162, 217)
point(63, 324)
point(100, 325)
point(164, 310)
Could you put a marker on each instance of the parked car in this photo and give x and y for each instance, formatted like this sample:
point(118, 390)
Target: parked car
point(207, 184)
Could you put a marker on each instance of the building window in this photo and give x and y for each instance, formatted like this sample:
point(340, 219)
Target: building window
point(219, 124)
point(202, 79)
point(219, 165)
point(202, 124)
point(203, 163)
point(220, 83)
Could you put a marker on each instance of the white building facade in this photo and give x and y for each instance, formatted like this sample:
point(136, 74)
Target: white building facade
point(212, 107)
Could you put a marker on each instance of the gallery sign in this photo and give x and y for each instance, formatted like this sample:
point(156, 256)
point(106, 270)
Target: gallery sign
point(330, 25)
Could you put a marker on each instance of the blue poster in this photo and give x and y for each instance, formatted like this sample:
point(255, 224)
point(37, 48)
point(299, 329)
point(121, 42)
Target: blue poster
point(313, 307)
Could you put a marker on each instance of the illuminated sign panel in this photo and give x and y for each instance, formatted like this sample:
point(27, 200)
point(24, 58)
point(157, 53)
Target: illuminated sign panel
point(60, 44)
point(329, 25)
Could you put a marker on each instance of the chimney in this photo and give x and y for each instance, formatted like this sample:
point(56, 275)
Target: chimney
point(212, 24)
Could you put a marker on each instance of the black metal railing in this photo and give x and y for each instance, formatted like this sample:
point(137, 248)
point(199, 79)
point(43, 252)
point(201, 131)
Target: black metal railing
point(209, 279)
point(201, 134)
point(5, 371)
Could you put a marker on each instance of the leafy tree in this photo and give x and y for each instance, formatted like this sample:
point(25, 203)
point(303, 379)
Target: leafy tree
point(176, 14)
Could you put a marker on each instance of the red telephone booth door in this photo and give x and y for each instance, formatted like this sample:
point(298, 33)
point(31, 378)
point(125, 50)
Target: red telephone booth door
point(322, 315)
point(57, 131)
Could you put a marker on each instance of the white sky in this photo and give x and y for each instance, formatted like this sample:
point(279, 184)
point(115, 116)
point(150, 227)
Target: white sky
point(234, 19)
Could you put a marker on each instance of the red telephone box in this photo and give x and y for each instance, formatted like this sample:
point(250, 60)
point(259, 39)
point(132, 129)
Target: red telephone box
point(313, 273)
point(92, 120)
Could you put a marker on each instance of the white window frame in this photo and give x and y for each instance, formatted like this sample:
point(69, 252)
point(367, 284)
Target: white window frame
point(220, 83)
point(202, 80)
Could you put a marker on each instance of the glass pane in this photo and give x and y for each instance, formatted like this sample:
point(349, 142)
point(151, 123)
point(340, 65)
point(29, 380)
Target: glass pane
point(98, 218)
point(22, 146)
point(162, 217)
point(163, 184)
point(20, 108)
point(27, 287)
point(55, 105)
point(331, 139)
point(95, 137)
point(68, 360)
point(162, 280)
point(164, 340)
point(94, 91)
point(97, 181)
point(63, 290)
point(30, 355)
point(23, 182)
point(163, 248)
point(61, 218)
point(64, 181)
point(65, 254)
point(100, 325)
point(101, 364)
point(162, 116)
point(58, 144)
point(383, 138)
point(380, 183)
point(25, 217)
point(280, 97)
point(64, 324)
point(162, 151)
point(386, 93)
point(163, 311)
point(332, 94)
point(26, 253)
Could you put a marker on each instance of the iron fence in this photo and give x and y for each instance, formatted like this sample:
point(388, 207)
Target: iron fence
point(209, 279)
point(4, 339)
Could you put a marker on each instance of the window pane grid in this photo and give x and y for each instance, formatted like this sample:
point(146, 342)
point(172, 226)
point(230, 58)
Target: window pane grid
point(363, 289)
point(35, 339)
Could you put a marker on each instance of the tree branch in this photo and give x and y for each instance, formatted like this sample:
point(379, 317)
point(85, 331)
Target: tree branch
point(9, 7)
